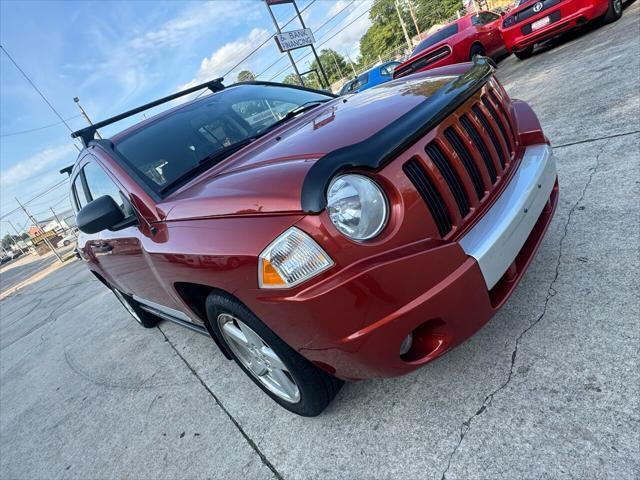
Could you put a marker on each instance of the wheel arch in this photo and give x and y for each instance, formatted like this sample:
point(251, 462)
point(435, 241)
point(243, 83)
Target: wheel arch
point(474, 44)
point(195, 295)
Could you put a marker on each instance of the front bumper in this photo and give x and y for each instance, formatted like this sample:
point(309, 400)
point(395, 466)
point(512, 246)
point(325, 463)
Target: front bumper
point(368, 309)
point(565, 16)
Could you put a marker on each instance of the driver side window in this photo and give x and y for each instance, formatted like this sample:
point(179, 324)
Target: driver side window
point(100, 184)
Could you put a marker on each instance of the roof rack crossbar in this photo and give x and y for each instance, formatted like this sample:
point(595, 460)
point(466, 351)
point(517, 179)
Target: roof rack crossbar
point(88, 133)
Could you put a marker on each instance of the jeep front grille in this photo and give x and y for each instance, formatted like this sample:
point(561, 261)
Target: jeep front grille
point(464, 160)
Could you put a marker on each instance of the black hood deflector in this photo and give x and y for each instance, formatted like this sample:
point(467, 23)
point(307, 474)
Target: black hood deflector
point(379, 149)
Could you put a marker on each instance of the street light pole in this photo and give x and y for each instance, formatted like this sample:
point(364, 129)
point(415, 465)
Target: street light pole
point(84, 114)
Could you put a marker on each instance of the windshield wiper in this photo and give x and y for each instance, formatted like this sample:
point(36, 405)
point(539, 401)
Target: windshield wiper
point(292, 113)
point(224, 152)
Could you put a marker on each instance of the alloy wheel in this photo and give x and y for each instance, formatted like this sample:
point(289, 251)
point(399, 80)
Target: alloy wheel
point(258, 358)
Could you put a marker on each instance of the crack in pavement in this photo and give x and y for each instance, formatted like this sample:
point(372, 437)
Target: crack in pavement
point(598, 139)
point(551, 292)
point(248, 439)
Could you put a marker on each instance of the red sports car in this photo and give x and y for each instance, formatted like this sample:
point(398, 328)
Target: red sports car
point(534, 21)
point(458, 42)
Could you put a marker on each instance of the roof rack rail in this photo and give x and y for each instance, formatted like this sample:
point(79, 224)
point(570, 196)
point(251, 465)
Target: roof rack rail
point(87, 134)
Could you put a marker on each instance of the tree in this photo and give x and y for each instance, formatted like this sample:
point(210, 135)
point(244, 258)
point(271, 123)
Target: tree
point(291, 79)
point(246, 76)
point(8, 241)
point(385, 32)
point(335, 65)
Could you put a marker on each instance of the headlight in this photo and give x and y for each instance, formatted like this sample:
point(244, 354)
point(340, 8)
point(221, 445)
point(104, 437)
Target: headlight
point(290, 259)
point(357, 206)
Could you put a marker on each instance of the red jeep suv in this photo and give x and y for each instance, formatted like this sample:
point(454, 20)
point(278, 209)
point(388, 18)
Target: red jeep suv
point(534, 21)
point(457, 42)
point(319, 239)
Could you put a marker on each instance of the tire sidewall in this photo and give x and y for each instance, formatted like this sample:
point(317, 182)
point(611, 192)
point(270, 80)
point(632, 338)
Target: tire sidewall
point(303, 372)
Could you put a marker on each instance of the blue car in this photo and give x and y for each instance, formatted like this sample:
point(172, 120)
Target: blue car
point(375, 76)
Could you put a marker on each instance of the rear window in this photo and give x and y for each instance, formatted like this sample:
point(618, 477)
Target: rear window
point(437, 37)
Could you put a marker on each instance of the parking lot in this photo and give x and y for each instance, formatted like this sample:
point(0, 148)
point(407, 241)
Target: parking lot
point(549, 388)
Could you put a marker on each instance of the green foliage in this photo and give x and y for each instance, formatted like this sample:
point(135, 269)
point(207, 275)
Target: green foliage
point(385, 33)
point(335, 65)
point(291, 79)
point(246, 76)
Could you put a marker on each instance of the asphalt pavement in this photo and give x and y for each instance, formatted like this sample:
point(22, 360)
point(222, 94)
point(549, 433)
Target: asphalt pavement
point(548, 389)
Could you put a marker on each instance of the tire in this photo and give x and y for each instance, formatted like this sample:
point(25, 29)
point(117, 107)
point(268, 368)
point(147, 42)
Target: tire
point(525, 53)
point(146, 319)
point(66, 243)
point(307, 390)
point(476, 49)
point(614, 12)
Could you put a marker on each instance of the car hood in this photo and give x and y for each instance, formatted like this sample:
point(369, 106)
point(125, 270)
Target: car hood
point(266, 177)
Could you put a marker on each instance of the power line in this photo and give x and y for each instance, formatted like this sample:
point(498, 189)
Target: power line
point(261, 45)
point(20, 132)
point(317, 30)
point(41, 194)
point(62, 120)
point(321, 44)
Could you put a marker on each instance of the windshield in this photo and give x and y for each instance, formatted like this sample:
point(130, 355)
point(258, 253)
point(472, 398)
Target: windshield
point(437, 37)
point(199, 135)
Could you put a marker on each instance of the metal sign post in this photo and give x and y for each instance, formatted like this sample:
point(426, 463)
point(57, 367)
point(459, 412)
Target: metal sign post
point(315, 54)
point(275, 22)
point(288, 41)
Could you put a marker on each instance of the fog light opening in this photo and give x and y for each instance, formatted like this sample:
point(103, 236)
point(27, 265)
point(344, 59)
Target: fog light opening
point(425, 341)
point(406, 344)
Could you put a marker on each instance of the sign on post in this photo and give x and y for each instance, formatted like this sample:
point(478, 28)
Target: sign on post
point(41, 238)
point(295, 39)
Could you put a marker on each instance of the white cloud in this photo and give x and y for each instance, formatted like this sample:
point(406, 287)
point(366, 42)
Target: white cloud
point(226, 57)
point(191, 22)
point(348, 40)
point(36, 164)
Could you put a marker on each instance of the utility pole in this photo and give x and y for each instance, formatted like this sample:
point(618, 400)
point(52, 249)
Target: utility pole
point(337, 66)
point(17, 234)
point(353, 68)
point(413, 17)
point(35, 224)
point(315, 54)
point(84, 114)
point(293, 64)
point(404, 28)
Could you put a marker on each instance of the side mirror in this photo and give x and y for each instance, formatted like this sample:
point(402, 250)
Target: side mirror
point(102, 214)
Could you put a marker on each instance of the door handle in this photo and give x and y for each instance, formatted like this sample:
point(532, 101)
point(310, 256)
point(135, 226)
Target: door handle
point(102, 248)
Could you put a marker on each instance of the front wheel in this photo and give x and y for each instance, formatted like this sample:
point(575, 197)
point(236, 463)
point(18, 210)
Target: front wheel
point(281, 372)
point(524, 53)
point(614, 12)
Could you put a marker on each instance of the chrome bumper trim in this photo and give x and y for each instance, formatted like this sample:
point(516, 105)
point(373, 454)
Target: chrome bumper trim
point(498, 237)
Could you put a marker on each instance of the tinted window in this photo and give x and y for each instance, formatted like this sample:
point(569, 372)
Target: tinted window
point(100, 184)
point(437, 37)
point(388, 69)
point(484, 18)
point(79, 192)
point(347, 88)
point(171, 147)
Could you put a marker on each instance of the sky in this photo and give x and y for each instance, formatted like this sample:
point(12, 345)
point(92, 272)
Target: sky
point(117, 55)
